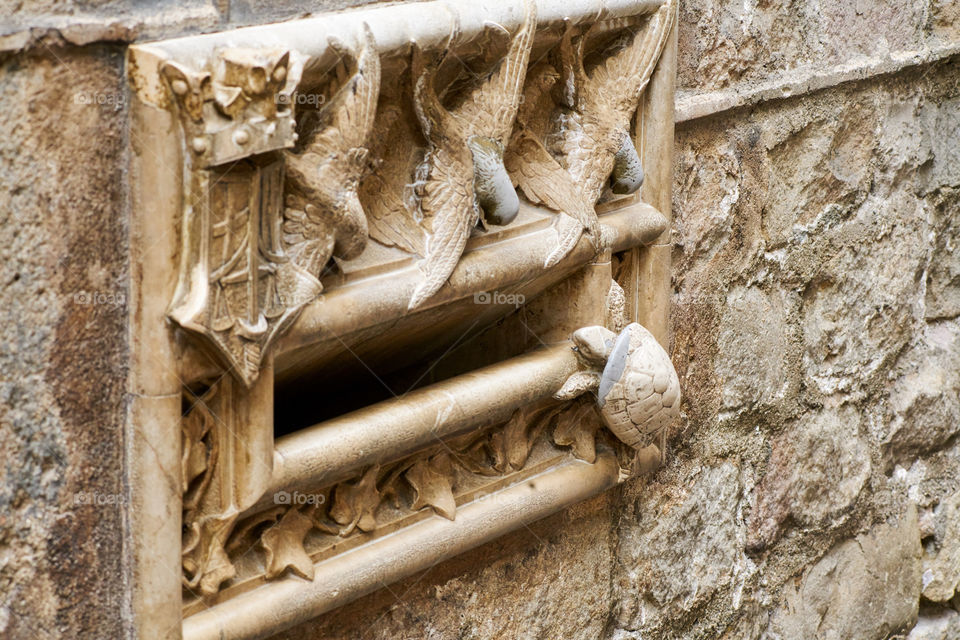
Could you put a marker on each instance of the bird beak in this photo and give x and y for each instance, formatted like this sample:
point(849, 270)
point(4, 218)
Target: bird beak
point(627, 174)
point(491, 183)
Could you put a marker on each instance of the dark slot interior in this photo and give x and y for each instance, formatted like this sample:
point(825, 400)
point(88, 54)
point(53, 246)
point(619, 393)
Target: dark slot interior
point(353, 383)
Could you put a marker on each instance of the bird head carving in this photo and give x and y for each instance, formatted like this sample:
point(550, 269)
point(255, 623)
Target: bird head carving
point(492, 186)
point(463, 169)
point(627, 174)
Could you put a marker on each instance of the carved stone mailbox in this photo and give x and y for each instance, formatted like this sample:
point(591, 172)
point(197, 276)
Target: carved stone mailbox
point(364, 241)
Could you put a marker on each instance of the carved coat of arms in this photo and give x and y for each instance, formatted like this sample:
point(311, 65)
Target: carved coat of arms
point(232, 288)
point(251, 254)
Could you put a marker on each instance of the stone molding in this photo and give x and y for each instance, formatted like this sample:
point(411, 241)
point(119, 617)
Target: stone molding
point(329, 187)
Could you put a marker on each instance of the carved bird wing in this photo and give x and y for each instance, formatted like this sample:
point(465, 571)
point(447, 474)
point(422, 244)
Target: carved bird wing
point(491, 107)
point(386, 192)
point(538, 107)
point(321, 209)
point(603, 101)
point(586, 117)
point(623, 76)
point(540, 177)
point(587, 147)
point(450, 212)
point(344, 124)
point(542, 180)
point(447, 200)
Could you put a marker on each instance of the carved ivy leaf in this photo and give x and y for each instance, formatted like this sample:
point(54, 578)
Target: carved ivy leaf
point(432, 482)
point(194, 460)
point(218, 569)
point(390, 487)
point(519, 436)
point(248, 530)
point(321, 519)
point(475, 456)
point(283, 543)
point(354, 505)
point(517, 441)
point(498, 452)
point(198, 447)
point(205, 562)
point(513, 444)
point(577, 428)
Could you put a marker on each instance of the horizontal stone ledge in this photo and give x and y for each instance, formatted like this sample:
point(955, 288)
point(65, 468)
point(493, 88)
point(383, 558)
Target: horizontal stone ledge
point(371, 301)
point(368, 302)
point(807, 80)
point(334, 450)
point(279, 605)
point(394, 26)
point(84, 28)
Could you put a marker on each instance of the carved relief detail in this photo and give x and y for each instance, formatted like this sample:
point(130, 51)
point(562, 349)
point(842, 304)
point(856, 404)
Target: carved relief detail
point(205, 563)
point(431, 479)
point(427, 201)
point(323, 216)
point(635, 385)
point(232, 289)
point(443, 158)
point(572, 138)
point(250, 264)
point(226, 463)
point(264, 214)
point(242, 107)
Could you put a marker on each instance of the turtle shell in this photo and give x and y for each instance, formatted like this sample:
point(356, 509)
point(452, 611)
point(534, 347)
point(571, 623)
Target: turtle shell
point(639, 394)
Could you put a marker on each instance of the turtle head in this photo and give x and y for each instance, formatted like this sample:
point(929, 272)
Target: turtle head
point(491, 183)
point(594, 344)
point(627, 174)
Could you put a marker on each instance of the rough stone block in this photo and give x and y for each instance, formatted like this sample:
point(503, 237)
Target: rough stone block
point(864, 589)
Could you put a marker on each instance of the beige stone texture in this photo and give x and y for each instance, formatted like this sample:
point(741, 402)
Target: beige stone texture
point(863, 588)
point(936, 624)
point(816, 332)
point(63, 345)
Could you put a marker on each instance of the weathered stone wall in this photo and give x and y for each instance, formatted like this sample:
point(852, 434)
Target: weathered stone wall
point(63, 342)
point(814, 488)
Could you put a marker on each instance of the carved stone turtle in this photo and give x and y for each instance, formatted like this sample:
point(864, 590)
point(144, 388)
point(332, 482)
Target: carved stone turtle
point(636, 386)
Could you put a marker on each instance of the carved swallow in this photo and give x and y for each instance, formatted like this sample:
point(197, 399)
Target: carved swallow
point(323, 215)
point(591, 121)
point(595, 143)
point(540, 176)
point(387, 195)
point(464, 172)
